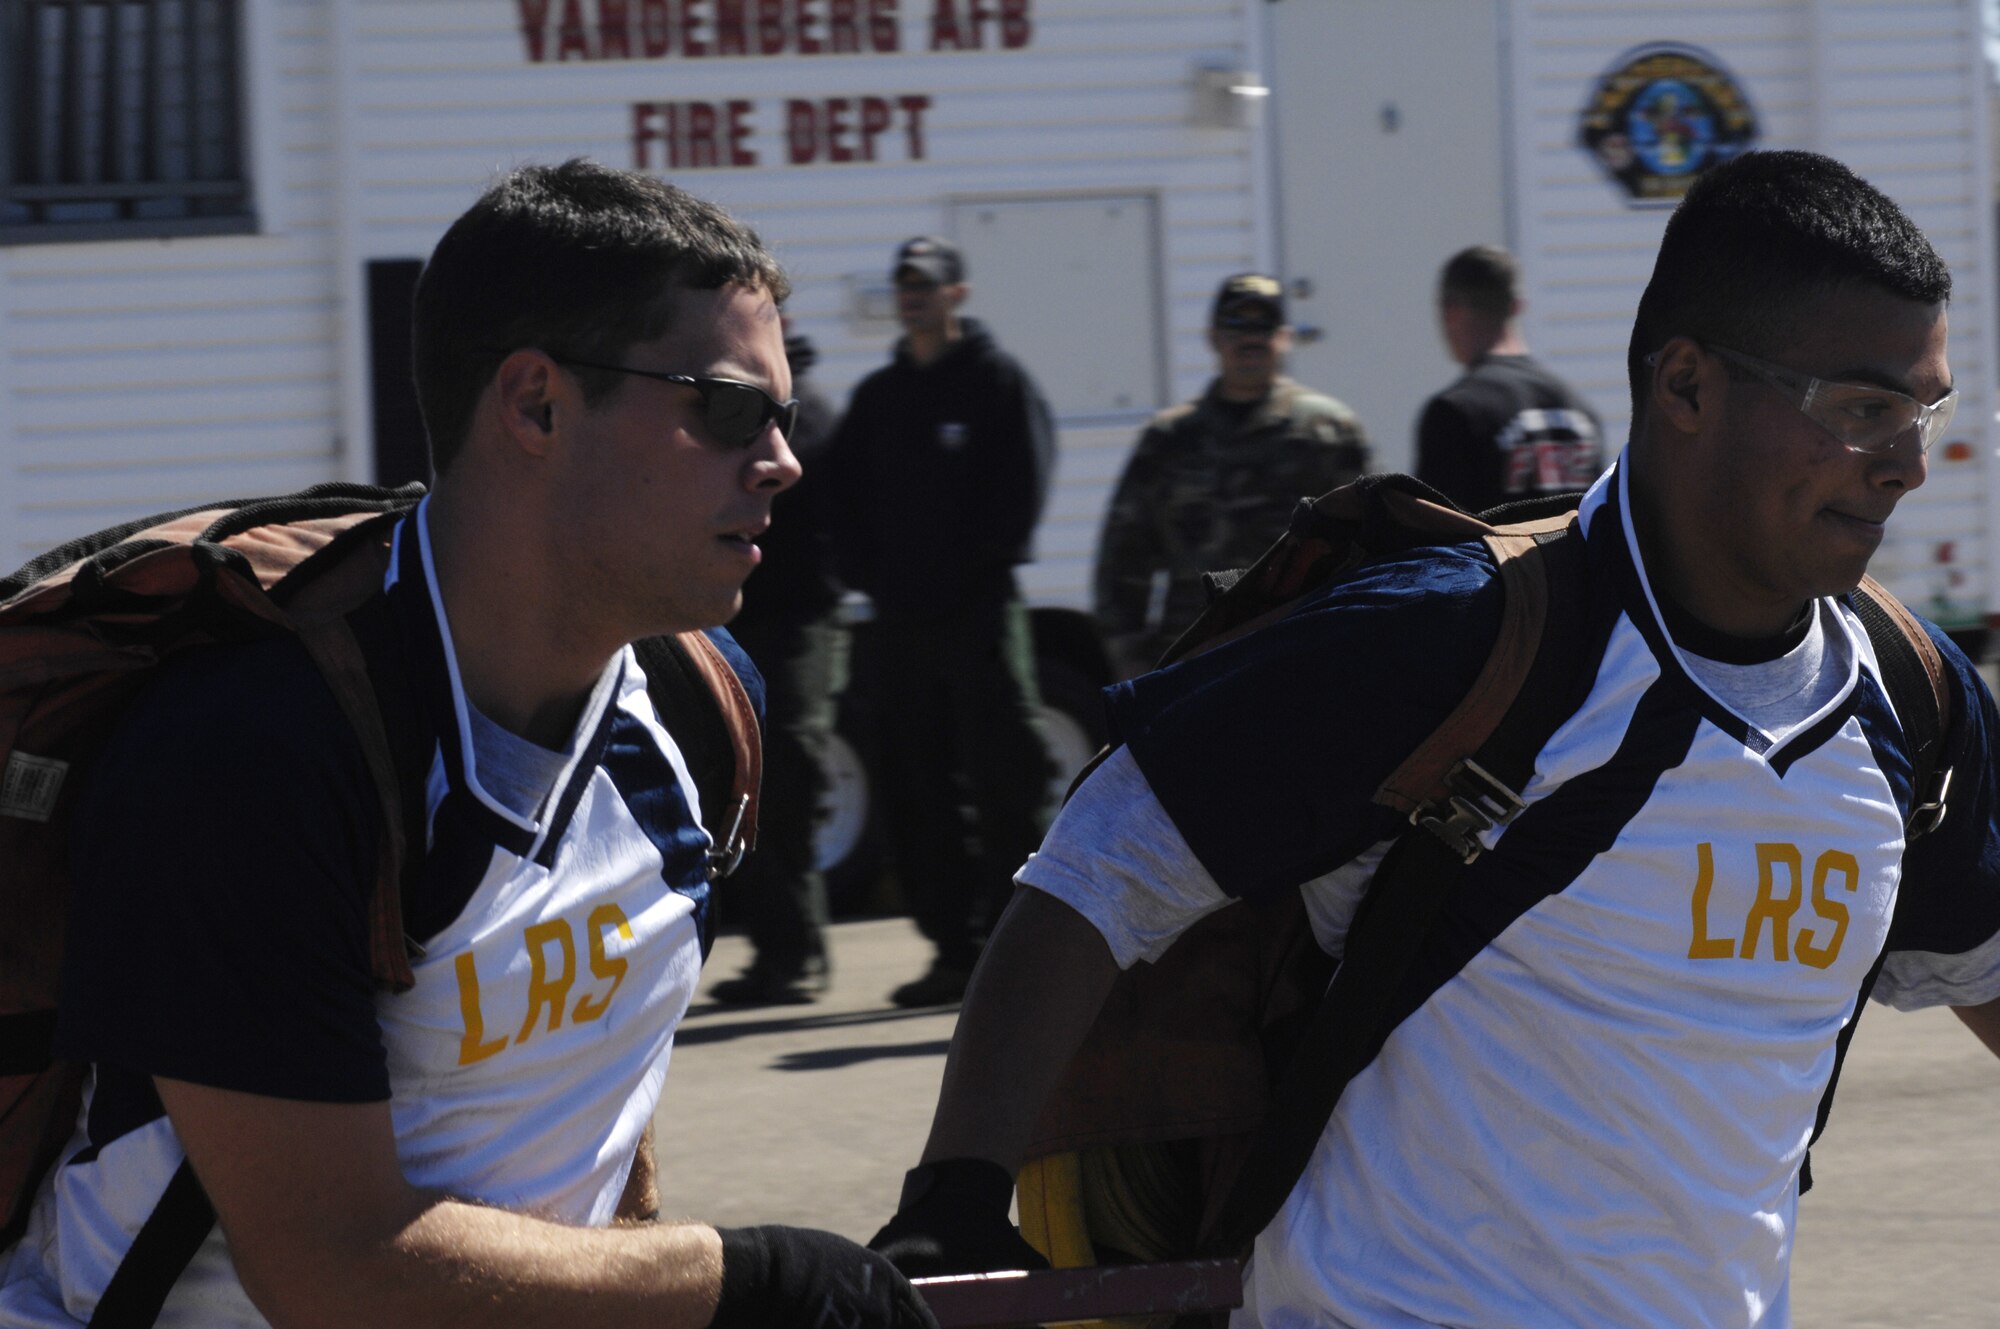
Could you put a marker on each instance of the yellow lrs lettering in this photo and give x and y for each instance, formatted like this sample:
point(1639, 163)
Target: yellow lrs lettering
point(542, 989)
point(1769, 905)
point(1833, 911)
point(603, 919)
point(472, 1046)
point(1705, 947)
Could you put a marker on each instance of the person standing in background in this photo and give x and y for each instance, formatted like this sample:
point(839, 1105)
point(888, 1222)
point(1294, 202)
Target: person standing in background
point(1508, 429)
point(941, 467)
point(790, 628)
point(1213, 481)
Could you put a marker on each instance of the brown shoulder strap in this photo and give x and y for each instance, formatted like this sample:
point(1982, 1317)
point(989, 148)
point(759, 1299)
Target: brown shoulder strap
point(1920, 642)
point(1361, 1007)
point(1913, 673)
point(333, 647)
point(745, 738)
point(318, 613)
point(1421, 779)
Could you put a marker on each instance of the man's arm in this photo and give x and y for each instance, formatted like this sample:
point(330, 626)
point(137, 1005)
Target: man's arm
point(1014, 462)
point(1037, 990)
point(1983, 1021)
point(324, 1230)
point(1039, 985)
point(641, 1201)
point(1336, 454)
point(1129, 559)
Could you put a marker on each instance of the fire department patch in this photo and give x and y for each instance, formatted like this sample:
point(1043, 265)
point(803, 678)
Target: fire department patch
point(1662, 115)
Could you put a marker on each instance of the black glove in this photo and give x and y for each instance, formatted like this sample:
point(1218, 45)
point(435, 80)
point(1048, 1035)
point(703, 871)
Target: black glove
point(775, 1277)
point(953, 1220)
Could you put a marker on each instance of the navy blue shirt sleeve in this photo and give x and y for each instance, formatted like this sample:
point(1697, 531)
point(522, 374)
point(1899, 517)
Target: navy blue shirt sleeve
point(746, 670)
point(1266, 753)
point(222, 859)
point(1949, 899)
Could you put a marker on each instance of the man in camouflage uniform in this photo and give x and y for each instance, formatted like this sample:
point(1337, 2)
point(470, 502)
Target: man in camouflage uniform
point(1213, 481)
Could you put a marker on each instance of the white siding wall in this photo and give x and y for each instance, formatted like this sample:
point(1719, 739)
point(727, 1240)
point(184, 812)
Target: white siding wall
point(442, 96)
point(1892, 87)
point(143, 375)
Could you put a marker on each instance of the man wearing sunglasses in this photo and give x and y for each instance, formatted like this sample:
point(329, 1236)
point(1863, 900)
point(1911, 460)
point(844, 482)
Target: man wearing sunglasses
point(1607, 1057)
point(1213, 481)
point(603, 379)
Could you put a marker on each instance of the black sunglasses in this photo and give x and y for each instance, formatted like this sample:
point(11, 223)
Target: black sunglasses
point(734, 413)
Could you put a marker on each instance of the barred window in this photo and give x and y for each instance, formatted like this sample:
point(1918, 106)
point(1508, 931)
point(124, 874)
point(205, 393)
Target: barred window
point(120, 118)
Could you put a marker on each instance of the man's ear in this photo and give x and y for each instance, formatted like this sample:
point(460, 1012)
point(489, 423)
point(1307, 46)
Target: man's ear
point(1676, 393)
point(530, 390)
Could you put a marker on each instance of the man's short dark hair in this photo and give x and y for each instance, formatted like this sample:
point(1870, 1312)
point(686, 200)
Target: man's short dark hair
point(1484, 279)
point(578, 260)
point(1759, 240)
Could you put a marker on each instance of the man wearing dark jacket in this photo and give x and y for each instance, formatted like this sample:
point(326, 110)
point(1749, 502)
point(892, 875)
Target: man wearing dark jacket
point(942, 464)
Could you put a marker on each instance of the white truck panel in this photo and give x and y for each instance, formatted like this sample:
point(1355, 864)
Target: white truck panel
point(141, 374)
point(1896, 90)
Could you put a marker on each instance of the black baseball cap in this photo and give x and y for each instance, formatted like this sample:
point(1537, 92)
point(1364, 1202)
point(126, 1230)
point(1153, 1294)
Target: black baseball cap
point(934, 257)
point(1245, 295)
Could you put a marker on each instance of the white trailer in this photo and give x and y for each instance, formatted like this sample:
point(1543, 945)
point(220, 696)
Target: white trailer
point(1405, 130)
point(212, 211)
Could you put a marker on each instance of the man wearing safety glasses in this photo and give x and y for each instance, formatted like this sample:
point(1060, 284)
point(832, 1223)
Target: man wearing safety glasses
point(1610, 1051)
point(603, 379)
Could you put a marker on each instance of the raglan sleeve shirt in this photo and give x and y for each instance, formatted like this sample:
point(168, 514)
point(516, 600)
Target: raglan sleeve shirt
point(1251, 769)
point(223, 858)
point(1944, 945)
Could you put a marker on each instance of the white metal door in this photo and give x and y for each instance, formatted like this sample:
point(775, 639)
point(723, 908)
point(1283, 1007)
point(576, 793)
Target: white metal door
point(1388, 121)
point(1071, 287)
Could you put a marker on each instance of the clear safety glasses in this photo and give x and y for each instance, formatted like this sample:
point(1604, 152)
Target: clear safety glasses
point(1865, 418)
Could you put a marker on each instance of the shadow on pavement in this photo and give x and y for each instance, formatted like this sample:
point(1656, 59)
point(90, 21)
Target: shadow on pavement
point(691, 1033)
point(832, 1059)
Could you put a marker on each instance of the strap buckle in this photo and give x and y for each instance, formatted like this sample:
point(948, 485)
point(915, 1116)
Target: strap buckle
point(1479, 801)
point(1927, 815)
point(727, 855)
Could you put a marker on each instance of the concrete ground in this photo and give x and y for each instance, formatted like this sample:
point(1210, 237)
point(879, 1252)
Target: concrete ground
point(810, 1114)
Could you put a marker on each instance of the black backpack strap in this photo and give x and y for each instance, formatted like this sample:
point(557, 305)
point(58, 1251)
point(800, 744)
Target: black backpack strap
point(400, 765)
point(705, 707)
point(1840, 1043)
point(1913, 674)
point(1417, 875)
point(158, 1256)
